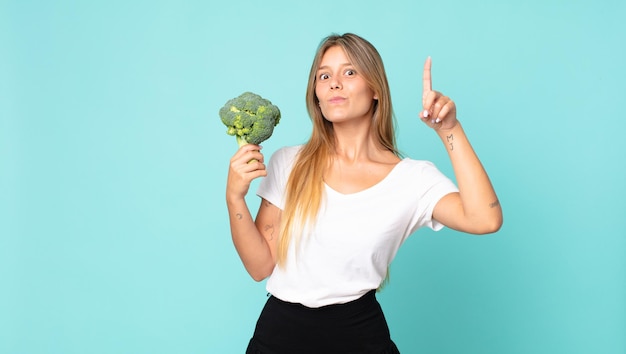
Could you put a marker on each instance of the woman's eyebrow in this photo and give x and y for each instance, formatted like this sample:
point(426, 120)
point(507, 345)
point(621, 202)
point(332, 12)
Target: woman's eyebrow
point(326, 67)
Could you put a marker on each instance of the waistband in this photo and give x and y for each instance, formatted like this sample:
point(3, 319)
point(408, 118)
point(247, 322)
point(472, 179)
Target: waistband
point(365, 302)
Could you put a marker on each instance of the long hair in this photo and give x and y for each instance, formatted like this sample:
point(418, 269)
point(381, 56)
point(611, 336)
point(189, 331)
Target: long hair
point(305, 185)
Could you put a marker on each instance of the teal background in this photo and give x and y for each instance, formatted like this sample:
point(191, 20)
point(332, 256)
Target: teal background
point(113, 228)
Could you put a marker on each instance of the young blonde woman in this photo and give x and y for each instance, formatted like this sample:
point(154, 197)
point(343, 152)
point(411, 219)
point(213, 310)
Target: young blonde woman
point(335, 210)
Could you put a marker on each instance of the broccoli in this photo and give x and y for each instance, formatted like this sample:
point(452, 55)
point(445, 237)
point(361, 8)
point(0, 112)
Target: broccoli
point(250, 118)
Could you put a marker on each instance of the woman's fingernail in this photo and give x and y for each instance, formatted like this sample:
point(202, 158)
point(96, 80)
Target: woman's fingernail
point(425, 113)
point(432, 121)
point(437, 120)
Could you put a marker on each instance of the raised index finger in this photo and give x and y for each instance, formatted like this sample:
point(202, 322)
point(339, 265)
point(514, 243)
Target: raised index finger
point(427, 82)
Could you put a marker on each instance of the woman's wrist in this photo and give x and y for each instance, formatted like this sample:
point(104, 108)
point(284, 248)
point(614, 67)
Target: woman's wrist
point(450, 136)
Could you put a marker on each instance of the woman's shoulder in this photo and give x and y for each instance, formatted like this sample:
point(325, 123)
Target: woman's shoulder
point(413, 167)
point(287, 152)
point(413, 163)
point(286, 155)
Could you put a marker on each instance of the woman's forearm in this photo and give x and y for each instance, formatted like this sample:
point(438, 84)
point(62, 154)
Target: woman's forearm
point(249, 242)
point(481, 208)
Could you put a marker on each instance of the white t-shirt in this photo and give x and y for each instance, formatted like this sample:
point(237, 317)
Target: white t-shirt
point(355, 237)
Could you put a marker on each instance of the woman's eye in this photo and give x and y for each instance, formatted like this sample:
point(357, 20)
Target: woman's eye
point(350, 72)
point(324, 76)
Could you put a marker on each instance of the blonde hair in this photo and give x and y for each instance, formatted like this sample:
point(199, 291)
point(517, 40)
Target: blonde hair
point(305, 185)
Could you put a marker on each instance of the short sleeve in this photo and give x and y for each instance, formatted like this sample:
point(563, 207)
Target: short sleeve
point(434, 185)
point(272, 187)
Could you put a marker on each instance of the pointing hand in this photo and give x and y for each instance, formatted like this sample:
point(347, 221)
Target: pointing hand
point(439, 111)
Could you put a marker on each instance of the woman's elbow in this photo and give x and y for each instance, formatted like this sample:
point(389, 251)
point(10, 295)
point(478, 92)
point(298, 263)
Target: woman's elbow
point(260, 274)
point(257, 277)
point(490, 226)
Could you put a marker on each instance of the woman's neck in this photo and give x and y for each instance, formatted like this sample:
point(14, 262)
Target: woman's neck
point(354, 143)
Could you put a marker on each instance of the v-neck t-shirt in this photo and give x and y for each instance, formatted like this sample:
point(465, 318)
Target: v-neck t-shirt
point(348, 249)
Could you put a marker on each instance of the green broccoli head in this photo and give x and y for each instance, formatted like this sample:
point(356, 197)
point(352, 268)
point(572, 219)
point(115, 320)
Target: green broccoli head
point(250, 118)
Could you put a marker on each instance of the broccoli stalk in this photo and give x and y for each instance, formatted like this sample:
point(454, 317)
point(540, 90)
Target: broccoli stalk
point(250, 118)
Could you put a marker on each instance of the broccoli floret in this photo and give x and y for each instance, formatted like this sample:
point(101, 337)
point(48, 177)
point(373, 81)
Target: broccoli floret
point(250, 118)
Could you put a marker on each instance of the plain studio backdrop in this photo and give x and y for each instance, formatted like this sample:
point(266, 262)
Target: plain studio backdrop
point(114, 235)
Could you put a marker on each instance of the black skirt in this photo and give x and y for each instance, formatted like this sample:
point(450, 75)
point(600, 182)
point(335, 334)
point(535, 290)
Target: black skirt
point(358, 326)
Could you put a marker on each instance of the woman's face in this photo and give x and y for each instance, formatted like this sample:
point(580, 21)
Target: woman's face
point(342, 92)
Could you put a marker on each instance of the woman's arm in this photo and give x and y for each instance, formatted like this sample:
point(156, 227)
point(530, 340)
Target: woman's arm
point(254, 242)
point(475, 208)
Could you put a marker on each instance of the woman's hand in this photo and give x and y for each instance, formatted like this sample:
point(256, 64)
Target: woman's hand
point(242, 170)
point(439, 111)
